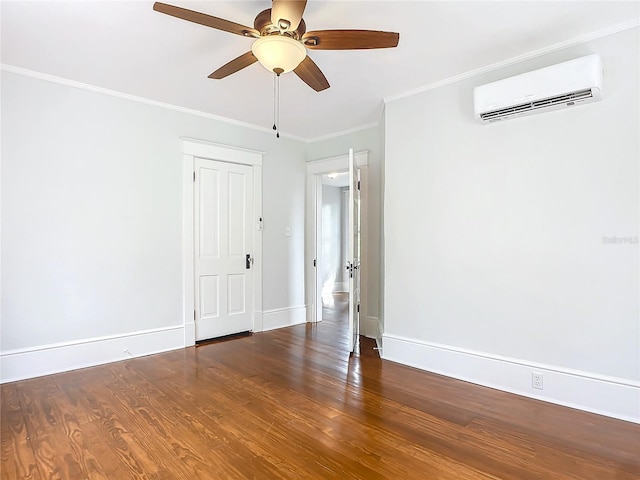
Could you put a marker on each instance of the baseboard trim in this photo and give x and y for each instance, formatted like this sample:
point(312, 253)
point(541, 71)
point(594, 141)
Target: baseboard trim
point(283, 317)
point(62, 357)
point(258, 321)
point(379, 333)
point(604, 395)
point(369, 327)
point(189, 334)
point(338, 287)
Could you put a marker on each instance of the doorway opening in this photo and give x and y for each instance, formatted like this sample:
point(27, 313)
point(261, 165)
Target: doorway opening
point(334, 276)
point(334, 214)
point(335, 210)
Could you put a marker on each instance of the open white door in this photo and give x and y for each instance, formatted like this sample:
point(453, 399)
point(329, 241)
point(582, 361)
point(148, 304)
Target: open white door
point(353, 255)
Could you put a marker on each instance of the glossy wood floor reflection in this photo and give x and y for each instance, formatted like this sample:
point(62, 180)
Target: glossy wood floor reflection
point(292, 404)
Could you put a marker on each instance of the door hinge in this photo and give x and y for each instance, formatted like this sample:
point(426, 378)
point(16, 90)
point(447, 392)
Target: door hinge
point(358, 308)
point(358, 184)
point(194, 315)
point(314, 262)
point(194, 175)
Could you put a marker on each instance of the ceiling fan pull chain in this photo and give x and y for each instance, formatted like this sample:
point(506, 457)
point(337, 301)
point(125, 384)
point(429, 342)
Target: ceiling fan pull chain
point(274, 102)
point(278, 103)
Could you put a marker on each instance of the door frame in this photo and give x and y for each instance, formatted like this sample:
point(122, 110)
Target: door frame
point(313, 228)
point(192, 149)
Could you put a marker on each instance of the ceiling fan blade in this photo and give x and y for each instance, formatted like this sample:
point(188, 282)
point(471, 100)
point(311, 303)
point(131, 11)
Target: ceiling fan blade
point(234, 65)
point(350, 39)
point(287, 13)
point(310, 74)
point(206, 20)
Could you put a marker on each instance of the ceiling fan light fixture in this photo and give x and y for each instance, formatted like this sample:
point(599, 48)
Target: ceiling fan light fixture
point(279, 52)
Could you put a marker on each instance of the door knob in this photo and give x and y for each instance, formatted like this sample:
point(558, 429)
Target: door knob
point(349, 267)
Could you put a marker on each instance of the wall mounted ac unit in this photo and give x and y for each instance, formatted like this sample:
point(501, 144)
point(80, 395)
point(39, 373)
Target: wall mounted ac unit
point(563, 85)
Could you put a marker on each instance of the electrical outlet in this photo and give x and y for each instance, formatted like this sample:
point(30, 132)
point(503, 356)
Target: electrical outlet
point(536, 380)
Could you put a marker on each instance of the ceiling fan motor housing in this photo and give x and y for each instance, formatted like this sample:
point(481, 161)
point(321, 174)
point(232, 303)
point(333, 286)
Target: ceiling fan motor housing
point(265, 26)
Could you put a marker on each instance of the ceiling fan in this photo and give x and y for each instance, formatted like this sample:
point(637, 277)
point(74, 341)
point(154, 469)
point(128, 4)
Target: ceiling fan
point(282, 40)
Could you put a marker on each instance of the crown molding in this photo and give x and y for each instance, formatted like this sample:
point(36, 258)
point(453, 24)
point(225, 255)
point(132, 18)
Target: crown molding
point(349, 131)
point(620, 27)
point(134, 98)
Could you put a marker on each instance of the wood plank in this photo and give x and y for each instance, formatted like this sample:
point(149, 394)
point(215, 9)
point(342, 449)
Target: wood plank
point(124, 448)
point(55, 435)
point(18, 460)
point(293, 404)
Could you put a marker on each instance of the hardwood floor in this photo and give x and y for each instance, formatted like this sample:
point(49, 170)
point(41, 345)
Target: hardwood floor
point(292, 404)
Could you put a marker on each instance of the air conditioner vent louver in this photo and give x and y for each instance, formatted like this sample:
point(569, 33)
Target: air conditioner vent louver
point(568, 99)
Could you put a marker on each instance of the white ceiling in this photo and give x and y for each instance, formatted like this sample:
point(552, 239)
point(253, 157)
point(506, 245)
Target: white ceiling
point(340, 179)
point(127, 47)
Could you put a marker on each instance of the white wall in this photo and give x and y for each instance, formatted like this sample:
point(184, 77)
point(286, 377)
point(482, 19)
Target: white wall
point(494, 254)
point(331, 238)
point(91, 215)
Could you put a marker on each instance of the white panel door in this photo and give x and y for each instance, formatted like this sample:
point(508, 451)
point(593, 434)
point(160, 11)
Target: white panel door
point(223, 217)
point(353, 255)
